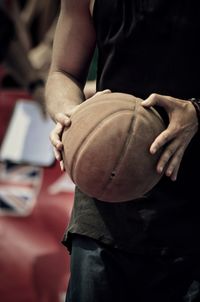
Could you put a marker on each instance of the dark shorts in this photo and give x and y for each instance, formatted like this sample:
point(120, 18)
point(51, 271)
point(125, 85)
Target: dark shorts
point(103, 274)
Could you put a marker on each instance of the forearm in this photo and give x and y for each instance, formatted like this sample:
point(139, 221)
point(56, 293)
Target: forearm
point(62, 93)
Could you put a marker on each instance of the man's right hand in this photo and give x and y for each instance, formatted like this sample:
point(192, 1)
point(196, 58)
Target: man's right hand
point(63, 120)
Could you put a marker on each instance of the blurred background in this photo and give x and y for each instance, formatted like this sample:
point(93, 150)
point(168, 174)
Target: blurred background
point(35, 197)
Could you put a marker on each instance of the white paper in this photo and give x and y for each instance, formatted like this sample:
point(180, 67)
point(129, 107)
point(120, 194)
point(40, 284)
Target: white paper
point(27, 137)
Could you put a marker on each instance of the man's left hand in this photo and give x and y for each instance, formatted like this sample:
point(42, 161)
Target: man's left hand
point(183, 125)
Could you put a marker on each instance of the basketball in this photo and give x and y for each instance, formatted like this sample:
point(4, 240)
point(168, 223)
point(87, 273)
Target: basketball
point(106, 148)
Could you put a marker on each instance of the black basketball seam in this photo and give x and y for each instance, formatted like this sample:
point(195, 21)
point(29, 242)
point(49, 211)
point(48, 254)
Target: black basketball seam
point(117, 169)
point(74, 159)
point(122, 154)
point(86, 108)
point(94, 104)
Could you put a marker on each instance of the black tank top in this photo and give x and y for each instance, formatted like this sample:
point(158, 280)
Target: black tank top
point(149, 46)
point(144, 47)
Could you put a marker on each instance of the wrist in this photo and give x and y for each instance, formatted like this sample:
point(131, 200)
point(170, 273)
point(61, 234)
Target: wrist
point(196, 104)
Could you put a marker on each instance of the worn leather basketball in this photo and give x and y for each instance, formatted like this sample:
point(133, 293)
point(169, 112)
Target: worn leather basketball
point(106, 148)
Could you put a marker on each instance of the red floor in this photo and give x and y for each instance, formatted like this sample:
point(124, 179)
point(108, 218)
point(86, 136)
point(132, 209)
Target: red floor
point(34, 265)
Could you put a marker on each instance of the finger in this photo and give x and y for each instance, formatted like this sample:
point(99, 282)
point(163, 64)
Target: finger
point(156, 99)
point(103, 92)
point(175, 173)
point(162, 139)
point(63, 119)
point(57, 154)
point(166, 156)
point(174, 165)
point(100, 93)
point(62, 167)
point(55, 136)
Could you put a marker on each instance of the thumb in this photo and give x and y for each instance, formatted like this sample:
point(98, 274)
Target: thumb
point(100, 93)
point(62, 118)
point(152, 100)
point(155, 99)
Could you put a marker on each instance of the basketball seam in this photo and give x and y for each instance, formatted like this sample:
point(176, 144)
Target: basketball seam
point(95, 103)
point(86, 108)
point(122, 154)
point(76, 154)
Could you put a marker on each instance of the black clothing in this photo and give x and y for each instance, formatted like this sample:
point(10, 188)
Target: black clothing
point(149, 46)
point(145, 47)
point(102, 274)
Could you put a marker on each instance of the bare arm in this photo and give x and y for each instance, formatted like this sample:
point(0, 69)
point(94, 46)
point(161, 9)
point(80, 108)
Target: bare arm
point(73, 47)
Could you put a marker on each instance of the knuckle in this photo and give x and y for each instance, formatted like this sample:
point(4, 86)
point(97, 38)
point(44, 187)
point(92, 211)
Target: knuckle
point(173, 165)
point(169, 152)
point(179, 155)
point(176, 127)
point(51, 137)
point(153, 96)
point(59, 115)
point(176, 161)
point(167, 155)
point(165, 136)
point(61, 118)
point(58, 126)
point(165, 158)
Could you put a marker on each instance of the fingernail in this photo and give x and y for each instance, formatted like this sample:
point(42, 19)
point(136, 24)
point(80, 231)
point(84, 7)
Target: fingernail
point(160, 169)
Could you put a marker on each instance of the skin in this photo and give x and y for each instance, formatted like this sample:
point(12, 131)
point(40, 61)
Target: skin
point(67, 77)
point(183, 124)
